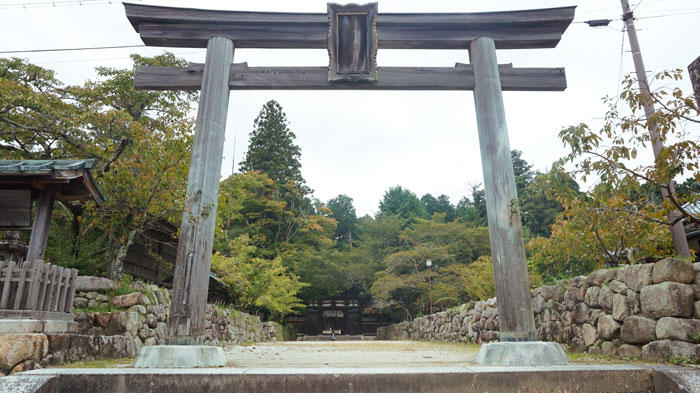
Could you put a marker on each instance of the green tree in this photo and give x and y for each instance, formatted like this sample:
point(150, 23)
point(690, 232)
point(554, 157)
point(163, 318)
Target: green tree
point(440, 204)
point(272, 149)
point(538, 200)
point(522, 171)
point(467, 213)
point(140, 139)
point(609, 154)
point(343, 212)
point(591, 233)
point(401, 202)
point(258, 284)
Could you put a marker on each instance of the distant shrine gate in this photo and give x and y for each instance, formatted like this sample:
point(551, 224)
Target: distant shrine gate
point(352, 34)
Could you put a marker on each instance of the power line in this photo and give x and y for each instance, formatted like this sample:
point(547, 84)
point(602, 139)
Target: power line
point(70, 49)
point(58, 3)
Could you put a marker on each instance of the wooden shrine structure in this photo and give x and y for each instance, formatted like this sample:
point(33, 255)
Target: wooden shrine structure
point(30, 288)
point(352, 34)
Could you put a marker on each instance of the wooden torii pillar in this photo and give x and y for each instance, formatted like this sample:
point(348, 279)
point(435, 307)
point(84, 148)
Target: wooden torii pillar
point(352, 34)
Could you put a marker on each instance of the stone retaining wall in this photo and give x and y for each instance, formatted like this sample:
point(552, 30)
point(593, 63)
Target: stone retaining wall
point(649, 311)
point(134, 320)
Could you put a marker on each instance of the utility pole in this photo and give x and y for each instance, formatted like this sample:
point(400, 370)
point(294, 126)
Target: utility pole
point(680, 241)
point(694, 72)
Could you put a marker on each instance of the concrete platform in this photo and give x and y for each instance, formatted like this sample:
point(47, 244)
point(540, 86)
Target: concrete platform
point(15, 326)
point(528, 353)
point(361, 366)
point(578, 378)
point(180, 356)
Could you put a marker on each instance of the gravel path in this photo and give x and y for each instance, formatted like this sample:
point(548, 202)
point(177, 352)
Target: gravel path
point(302, 354)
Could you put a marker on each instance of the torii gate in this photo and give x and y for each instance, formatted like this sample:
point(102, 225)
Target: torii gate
point(352, 34)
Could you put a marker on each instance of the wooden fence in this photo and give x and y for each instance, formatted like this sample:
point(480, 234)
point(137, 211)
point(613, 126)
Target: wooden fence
point(36, 291)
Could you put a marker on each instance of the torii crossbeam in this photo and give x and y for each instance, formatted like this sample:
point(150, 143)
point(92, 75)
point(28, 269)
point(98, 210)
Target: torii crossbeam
point(352, 34)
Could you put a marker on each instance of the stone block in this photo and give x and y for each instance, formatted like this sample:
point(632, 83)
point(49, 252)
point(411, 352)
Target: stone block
point(91, 283)
point(678, 329)
point(58, 342)
point(607, 327)
point(123, 322)
point(128, 300)
point(636, 276)
point(581, 313)
point(696, 308)
point(80, 302)
point(633, 302)
point(608, 349)
point(620, 307)
point(138, 308)
point(638, 330)
point(590, 334)
point(102, 318)
point(673, 269)
point(17, 348)
point(617, 286)
point(591, 298)
point(26, 365)
point(137, 344)
point(600, 277)
point(668, 350)
point(627, 351)
point(538, 304)
point(605, 298)
point(571, 297)
point(593, 316)
point(151, 320)
point(668, 299)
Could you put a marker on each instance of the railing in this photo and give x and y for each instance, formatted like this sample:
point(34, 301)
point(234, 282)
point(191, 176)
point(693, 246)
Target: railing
point(36, 291)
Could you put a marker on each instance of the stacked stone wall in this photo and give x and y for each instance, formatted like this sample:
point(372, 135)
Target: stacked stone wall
point(133, 320)
point(649, 311)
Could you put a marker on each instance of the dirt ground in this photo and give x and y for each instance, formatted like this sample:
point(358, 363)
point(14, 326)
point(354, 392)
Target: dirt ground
point(302, 354)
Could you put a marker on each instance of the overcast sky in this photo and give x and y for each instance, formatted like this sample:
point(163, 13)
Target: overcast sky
point(360, 143)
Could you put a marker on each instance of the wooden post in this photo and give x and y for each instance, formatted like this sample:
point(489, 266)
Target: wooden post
point(516, 320)
point(40, 227)
point(191, 281)
point(694, 71)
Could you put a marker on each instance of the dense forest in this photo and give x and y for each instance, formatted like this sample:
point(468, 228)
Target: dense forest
point(277, 247)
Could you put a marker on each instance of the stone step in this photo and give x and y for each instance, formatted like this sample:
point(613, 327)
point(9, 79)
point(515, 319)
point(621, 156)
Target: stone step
point(575, 378)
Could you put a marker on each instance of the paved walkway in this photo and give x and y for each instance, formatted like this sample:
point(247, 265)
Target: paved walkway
point(350, 354)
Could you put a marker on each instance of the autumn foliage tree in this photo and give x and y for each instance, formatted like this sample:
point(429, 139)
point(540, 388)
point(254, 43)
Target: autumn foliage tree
point(613, 154)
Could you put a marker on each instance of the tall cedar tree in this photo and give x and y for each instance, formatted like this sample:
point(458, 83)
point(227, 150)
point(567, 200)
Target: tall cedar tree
point(272, 149)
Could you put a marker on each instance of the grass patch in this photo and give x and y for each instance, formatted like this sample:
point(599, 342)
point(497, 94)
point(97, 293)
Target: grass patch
point(105, 307)
point(102, 363)
point(595, 358)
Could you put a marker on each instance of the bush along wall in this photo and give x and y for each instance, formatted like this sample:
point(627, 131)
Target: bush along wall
point(648, 311)
point(113, 325)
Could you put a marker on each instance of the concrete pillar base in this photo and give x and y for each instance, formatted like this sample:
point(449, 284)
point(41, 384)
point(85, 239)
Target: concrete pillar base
point(527, 353)
point(180, 356)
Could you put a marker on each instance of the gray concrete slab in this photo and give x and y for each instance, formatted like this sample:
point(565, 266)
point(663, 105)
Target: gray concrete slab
point(15, 326)
point(180, 356)
point(529, 353)
point(28, 384)
point(437, 379)
point(387, 367)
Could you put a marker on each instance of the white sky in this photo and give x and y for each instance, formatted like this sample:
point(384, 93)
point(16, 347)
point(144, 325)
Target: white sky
point(360, 143)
